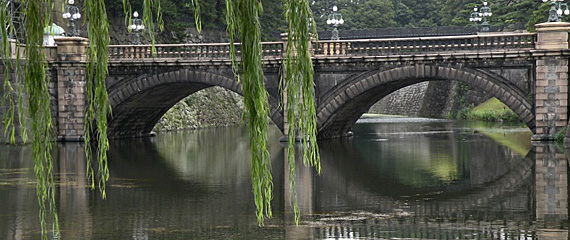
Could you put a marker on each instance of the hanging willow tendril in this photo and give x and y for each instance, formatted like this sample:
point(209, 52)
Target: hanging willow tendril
point(298, 83)
point(98, 108)
point(148, 6)
point(34, 82)
point(299, 87)
point(246, 18)
point(13, 75)
point(36, 85)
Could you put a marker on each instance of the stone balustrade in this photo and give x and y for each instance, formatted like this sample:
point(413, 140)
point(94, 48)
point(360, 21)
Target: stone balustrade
point(360, 47)
point(214, 51)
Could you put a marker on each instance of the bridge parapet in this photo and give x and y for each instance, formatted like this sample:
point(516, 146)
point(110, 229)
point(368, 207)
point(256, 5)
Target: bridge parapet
point(360, 47)
point(208, 51)
point(421, 45)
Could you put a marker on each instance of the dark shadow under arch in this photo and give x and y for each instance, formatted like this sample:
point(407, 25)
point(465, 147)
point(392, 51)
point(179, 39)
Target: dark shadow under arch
point(344, 105)
point(137, 105)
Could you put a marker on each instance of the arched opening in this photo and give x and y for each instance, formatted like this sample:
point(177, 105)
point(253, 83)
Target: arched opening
point(443, 99)
point(345, 104)
point(139, 103)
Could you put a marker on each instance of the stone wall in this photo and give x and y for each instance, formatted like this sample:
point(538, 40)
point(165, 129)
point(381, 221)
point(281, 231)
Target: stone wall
point(211, 107)
point(434, 99)
point(406, 101)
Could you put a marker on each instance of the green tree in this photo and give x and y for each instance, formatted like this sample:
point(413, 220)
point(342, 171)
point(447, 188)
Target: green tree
point(422, 13)
point(356, 14)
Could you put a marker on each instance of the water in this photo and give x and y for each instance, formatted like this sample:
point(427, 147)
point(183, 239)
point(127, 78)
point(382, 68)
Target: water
point(396, 178)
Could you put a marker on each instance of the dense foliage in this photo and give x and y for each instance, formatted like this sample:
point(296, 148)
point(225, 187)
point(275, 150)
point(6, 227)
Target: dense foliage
point(508, 15)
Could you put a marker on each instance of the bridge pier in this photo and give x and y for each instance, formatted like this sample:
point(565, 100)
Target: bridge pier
point(71, 74)
point(551, 87)
point(551, 191)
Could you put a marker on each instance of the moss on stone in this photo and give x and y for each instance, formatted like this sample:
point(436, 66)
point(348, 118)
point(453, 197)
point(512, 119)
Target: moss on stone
point(211, 107)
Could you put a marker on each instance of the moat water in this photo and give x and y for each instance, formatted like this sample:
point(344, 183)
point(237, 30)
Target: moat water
point(399, 178)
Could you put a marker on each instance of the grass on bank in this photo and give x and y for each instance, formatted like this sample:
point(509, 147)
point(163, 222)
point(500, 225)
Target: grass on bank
point(491, 110)
point(494, 110)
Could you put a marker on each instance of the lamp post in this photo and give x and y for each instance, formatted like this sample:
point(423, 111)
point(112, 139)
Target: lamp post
point(335, 19)
point(485, 12)
point(136, 26)
point(475, 17)
point(71, 14)
point(479, 15)
point(555, 14)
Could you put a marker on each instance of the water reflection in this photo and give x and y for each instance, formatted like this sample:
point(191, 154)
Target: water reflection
point(429, 180)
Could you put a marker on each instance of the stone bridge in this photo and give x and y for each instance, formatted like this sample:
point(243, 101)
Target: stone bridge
point(526, 71)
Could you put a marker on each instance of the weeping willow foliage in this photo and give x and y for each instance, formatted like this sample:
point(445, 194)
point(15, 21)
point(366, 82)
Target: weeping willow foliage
point(98, 108)
point(197, 19)
point(13, 93)
point(35, 82)
point(299, 87)
point(242, 17)
point(35, 85)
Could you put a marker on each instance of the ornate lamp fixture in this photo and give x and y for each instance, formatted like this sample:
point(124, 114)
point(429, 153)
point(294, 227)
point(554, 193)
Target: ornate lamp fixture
point(335, 19)
point(555, 14)
point(479, 15)
point(136, 26)
point(485, 12)
point(71, 14)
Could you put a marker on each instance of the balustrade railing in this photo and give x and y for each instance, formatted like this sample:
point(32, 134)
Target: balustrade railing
point(208, 51)
point(367, 47)
point(425, 45)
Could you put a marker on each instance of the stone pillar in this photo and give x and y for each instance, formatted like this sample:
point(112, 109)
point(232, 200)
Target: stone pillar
point(551, 87)
point(551, 192)
point(71, 80)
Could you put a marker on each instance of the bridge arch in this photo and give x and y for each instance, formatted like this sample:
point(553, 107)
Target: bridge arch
point(344, 104)
point(139, 103)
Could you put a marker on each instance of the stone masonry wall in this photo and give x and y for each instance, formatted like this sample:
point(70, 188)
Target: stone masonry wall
point(434, 99)
point(406, 101)
point(551, 96)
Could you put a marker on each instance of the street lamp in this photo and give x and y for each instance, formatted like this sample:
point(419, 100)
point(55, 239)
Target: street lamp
point(479, 15)
point(335, 19)
point(555, 15)
point(71, 13)
point(475, 16)
point(136, 26)
point(485, 12)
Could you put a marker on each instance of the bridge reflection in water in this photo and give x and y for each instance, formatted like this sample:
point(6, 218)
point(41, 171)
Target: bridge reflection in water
point(400, 184)
point(513, 198)
point(530, 201)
